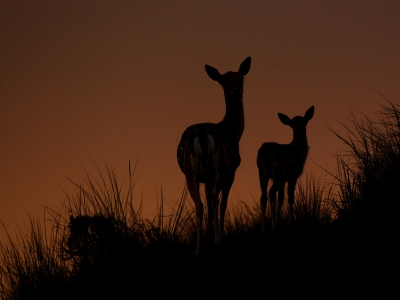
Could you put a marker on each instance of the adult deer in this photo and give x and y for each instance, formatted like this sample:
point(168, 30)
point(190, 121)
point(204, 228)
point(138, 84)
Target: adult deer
point(209, 153)
point(283, 163)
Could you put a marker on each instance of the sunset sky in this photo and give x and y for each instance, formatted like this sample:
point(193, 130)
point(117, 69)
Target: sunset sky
point(113, 81)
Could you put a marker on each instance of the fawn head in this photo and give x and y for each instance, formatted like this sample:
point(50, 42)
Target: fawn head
point(298, 123)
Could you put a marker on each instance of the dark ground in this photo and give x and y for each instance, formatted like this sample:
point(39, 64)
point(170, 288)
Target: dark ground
point(335, 259)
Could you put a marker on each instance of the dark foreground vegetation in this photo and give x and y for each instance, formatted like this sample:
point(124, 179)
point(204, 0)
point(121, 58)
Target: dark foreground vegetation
point(344, 241)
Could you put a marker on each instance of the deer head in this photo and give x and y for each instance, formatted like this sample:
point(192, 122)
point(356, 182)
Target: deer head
point(232, 82)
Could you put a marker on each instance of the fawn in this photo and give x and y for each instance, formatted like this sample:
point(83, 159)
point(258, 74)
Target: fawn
point(283, 163)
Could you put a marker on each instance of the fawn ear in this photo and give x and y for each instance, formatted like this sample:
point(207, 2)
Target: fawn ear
point(284, 119)
point(213, 73)
point(245, 66)
point(309, 113)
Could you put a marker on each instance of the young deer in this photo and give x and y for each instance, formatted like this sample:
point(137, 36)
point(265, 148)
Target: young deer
point(283, 163)
point(209, 153)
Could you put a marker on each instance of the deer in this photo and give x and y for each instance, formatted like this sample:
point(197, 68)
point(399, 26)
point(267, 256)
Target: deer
point(208, 153)
point(283, 163)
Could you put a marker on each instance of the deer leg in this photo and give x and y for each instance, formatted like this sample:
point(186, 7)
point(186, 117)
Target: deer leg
point(272, 200)
point(199, 221)
point(215, 189)
point(193, 188)
point(291, 186)
point(215, 202)
point(281, 198)
point(263, 199)
point(210, 212)
point(224, 201)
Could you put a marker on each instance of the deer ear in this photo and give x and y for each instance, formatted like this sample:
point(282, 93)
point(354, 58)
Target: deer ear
point(245, 66)
point(213, 73)
point(284, 119)
point(309, 113)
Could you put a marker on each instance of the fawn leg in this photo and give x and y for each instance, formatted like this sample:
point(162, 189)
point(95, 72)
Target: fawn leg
point(272, 200)
point(291, 186)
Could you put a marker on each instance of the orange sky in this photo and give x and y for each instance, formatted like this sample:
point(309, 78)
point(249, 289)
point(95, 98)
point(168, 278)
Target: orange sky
point(113, 81)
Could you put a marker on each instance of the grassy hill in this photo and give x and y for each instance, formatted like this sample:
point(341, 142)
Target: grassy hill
point(341, 244)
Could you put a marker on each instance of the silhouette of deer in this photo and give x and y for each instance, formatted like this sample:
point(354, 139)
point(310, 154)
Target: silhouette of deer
point(209, 153)
point(283, 163)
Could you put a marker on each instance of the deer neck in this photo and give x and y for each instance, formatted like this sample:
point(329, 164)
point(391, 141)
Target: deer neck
point(233, 121)
point(300, 141)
